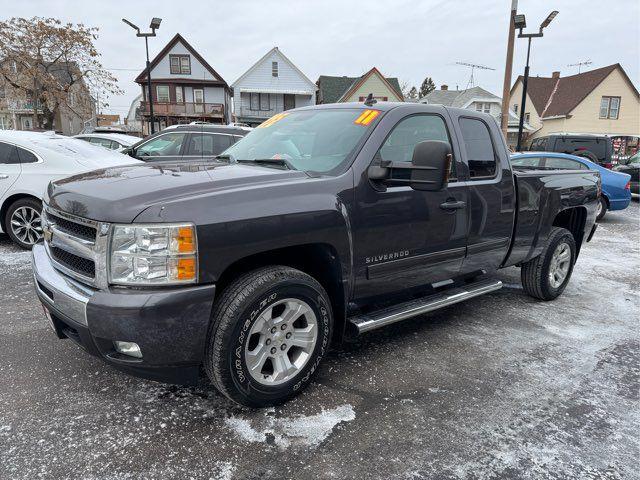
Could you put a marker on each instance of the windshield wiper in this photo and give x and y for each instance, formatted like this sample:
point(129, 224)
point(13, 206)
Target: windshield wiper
point(271, 161)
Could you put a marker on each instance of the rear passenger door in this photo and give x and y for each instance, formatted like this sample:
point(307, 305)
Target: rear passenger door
point(10, 167)
point(491, 193)
point(207, 145)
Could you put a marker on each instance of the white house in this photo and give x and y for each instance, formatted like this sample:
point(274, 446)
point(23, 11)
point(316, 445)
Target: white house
point(480, 100)
point(272, 85)
point(184, 88)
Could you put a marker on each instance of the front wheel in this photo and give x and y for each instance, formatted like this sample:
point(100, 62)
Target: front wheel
point(546, 276)
point(270, 330)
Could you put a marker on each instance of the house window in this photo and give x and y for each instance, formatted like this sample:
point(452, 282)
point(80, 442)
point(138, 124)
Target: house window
point(26, 123)
point(180, 64)
point(4, 123)
point(274, 69)
point(179, 94)
point(483, 107)
point(610, 107)
point(515, 108)
point(259, 101)
point(162, 94)
point(527, 117)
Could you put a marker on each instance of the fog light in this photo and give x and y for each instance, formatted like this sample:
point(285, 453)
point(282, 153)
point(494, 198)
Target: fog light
point(128, 348)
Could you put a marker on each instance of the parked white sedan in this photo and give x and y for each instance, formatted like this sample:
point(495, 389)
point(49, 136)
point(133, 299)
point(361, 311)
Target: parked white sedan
point(28, 162)
point(111, 141)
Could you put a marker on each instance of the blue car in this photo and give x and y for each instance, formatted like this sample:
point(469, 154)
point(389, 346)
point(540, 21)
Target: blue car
point(616, 186)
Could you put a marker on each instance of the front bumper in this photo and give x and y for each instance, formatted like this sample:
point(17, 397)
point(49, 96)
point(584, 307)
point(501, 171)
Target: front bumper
point(170, 325)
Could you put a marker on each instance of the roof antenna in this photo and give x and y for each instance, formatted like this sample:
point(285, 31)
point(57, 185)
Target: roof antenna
point(370, 101)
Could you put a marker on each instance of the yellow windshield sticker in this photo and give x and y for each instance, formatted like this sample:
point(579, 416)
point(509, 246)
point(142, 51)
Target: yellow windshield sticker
point(367, 117)
point(276, 118)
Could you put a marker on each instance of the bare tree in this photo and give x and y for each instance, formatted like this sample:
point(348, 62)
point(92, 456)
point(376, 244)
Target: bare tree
point(413, 93)
point(53, 66)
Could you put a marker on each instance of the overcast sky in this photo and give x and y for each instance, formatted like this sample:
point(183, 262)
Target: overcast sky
point(408, 39)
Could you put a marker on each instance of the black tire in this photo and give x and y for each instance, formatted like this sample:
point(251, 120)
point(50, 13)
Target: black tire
point(535, 272)
point(29, 203)
point(234, 314)
point(603, 208)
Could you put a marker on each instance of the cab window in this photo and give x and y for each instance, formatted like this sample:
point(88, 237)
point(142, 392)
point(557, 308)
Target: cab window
point(479, 148)
point(399, 145)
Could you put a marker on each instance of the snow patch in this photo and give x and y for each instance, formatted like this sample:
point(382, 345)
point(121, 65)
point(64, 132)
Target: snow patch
point(20, 260)
point(310, 430)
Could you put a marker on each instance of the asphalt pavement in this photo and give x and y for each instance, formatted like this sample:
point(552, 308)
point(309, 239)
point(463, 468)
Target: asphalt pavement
point(500, 387)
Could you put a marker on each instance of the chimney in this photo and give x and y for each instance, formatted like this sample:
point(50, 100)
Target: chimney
point(444, 87)
point(555, 75)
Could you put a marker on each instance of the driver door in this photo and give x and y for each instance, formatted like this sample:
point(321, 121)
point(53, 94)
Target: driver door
point(405, 238)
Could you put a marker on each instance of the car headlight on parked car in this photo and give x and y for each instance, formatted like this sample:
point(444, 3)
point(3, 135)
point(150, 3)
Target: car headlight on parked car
point(153, 254)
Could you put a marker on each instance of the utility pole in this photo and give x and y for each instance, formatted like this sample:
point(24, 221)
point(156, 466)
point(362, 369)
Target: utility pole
point(504, 120)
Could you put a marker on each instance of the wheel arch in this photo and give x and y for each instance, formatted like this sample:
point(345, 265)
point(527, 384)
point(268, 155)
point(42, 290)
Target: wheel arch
point(319, 260)
point(10, 200)
point(573, 219)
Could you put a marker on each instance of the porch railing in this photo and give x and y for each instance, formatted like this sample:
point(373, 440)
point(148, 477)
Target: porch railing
point(186, 109)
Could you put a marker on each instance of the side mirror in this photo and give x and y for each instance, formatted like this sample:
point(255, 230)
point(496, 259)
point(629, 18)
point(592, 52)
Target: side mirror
point(430, 165)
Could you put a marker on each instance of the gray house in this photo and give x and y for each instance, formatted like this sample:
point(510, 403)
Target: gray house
point(480, 100)
point(272, 85)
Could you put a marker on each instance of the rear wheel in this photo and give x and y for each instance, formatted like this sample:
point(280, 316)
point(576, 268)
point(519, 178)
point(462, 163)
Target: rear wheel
point(546, 276)
point(270, 330)
point(22, 222)
point(601, 209)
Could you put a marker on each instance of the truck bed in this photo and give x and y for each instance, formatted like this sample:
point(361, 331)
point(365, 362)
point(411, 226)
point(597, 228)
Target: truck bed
point(544, 196)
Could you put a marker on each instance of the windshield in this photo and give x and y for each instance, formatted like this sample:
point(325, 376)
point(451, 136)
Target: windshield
point(318, 141)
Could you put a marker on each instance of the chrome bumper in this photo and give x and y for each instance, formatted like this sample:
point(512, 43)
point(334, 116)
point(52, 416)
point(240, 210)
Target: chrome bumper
point(57, 291)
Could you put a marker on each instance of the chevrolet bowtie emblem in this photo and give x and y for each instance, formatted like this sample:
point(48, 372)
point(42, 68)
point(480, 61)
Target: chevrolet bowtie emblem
point(47, 233)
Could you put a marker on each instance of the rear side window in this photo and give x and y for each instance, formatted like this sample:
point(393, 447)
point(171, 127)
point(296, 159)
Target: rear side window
point(539, 144)
point(526, 162)
point(8, 154)
point(208, 144)
point(564, 164)
point(26, 156)
point(479, 147)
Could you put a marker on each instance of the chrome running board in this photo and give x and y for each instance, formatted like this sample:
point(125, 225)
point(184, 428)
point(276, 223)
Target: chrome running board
point(395, 313)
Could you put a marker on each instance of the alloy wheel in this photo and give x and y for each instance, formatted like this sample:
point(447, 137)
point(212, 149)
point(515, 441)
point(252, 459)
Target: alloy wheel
point(560, 264)
point(26, 225)
point(281, 341)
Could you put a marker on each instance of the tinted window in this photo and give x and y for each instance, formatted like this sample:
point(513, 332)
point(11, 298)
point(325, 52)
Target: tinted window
point(539, 144)
point(103, 142)
point(526, 162)
point(163, 145)
point(208, 144)
point(480, 154)
point(564, 164)
point(8, 153)
point(399, 145)
point(26, 156)
point(597, 146)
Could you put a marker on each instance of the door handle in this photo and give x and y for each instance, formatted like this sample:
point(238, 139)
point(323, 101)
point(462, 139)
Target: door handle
point(3, 176)
point(453, 205)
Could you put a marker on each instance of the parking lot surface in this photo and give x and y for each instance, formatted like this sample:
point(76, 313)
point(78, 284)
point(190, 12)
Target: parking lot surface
point(500, 387)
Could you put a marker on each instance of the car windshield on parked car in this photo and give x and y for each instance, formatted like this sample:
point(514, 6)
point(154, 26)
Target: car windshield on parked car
point(316, 141)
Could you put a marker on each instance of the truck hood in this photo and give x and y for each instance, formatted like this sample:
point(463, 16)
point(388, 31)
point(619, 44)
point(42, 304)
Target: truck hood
point(119, 194)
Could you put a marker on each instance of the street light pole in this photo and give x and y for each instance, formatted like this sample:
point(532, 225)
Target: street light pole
point(522, 24)
point(149, 89)
point(506, 87)
point(155, 24)
point(523, 102)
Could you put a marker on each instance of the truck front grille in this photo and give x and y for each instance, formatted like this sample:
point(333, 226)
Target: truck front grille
point(77, 229)
point(80, 265)
point(77, 246)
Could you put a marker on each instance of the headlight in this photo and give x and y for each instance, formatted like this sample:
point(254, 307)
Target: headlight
point(153, 254)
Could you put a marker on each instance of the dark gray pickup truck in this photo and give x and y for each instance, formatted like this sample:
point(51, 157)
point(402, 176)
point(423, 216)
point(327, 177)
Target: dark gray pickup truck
point(323, 223)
